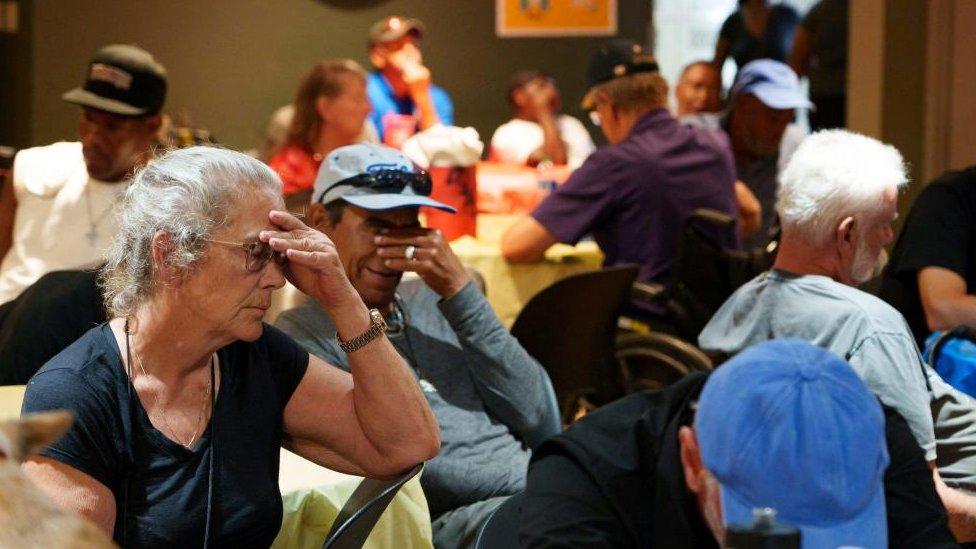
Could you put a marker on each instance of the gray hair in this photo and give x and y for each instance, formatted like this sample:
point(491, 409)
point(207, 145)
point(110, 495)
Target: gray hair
point(187, 193)
point(836, 174)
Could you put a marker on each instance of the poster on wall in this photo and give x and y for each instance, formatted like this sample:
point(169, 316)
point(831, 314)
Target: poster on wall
point(521, 18)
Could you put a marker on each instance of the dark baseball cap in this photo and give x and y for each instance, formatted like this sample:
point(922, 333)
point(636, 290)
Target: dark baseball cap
point(122, 79)
point(393, 27)
point(523, 77)
point(615, 59)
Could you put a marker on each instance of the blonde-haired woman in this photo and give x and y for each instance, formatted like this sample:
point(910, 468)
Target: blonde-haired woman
point(329, 112)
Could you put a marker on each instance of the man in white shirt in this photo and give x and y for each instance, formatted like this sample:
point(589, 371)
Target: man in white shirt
point(539, 132)
point(58, 212)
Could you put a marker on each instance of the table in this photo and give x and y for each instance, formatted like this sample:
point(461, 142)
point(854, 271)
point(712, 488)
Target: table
point(510, 286)
point(313, 495)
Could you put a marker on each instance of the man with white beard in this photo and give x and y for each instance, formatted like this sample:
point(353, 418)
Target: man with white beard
point(837, 200)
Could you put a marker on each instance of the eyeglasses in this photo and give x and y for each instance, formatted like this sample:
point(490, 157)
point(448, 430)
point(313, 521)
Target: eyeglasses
point(393, 181)
point(257, 254)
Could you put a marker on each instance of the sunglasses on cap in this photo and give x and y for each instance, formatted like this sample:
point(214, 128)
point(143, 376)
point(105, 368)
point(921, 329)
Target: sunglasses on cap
point(386, 181)
point(257, 254)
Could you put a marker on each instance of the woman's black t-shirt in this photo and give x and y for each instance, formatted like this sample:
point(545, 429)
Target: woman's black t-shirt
point(113, 441)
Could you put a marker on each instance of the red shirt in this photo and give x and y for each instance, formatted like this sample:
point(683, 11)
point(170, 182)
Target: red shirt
point(296, 167)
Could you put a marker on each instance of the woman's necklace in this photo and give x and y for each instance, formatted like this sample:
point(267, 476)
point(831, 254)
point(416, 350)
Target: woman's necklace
point(93, 220)
point(203, 407)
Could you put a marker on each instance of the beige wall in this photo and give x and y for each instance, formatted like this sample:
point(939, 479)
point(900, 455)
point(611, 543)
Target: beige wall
point(912, 73)
point(232, 62)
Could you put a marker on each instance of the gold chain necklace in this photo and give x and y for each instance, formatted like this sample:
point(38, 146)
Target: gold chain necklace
point(172, 432)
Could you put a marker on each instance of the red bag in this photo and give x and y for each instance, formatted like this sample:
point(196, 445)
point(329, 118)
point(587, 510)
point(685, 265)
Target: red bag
point(457, 187)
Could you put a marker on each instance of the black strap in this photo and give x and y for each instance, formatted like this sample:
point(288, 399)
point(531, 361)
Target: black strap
point(213, 450)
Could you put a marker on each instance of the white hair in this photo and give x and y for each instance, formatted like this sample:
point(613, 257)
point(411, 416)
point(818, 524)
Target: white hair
point(187, 193)
point(832, 175)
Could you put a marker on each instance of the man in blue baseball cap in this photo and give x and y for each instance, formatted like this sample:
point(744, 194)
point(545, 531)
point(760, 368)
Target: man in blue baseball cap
point(784, 425)
point(492, 400)
point(761, 128)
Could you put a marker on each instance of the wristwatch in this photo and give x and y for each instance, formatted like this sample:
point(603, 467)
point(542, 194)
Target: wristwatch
point(375, 329)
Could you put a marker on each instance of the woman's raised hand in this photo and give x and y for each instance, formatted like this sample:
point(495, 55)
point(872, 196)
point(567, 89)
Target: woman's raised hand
point(313, 261)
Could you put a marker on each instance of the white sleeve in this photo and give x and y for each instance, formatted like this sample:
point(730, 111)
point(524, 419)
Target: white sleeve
point(507, 145)
point(579, 145)
point(43, 171)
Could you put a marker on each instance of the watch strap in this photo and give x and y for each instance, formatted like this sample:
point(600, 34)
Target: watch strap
point(377, 326)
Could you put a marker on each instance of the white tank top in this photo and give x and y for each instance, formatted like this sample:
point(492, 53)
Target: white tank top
point(64, 218)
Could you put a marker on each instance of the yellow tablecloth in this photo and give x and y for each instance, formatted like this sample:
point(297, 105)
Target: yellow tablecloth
point(313, 496)
point(509, 286)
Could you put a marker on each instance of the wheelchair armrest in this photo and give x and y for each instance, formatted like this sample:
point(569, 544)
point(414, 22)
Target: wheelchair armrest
point(648, 292)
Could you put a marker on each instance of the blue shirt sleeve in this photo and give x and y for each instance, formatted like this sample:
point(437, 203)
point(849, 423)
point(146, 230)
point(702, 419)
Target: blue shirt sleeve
point(92, 444)
point(576, 207)
point(443, 105)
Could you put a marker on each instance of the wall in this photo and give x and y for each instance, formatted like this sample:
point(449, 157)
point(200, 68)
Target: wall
point(233, 62)
point(16, 81)
point(912, 82)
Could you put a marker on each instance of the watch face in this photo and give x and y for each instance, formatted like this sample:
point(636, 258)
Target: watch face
point(377, 318)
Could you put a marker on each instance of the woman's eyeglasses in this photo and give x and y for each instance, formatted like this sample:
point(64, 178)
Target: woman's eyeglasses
point(257, 254)
point(393, 181)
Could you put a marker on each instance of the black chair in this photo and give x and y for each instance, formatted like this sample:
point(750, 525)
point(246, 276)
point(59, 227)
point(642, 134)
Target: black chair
point(364, 507)
point(570, 327)
point(500, 531)
point(704, 274)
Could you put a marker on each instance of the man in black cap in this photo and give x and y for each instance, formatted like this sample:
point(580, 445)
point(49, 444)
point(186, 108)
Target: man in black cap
point(400, 88)
point(58, 212)
point(633, 195)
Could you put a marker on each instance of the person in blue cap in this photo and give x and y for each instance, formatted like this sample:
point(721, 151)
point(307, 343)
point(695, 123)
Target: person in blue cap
point(784, 425)
point(493, 401)
point(761, 130)
point(838, 200)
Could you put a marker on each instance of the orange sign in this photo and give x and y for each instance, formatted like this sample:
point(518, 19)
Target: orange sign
point(555, 17)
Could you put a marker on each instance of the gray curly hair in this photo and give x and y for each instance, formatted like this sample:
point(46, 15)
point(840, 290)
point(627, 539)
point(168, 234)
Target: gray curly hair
point(188, 193)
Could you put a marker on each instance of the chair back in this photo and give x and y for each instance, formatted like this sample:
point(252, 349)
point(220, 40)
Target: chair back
point(705, 274)
point(364, 507)
point(500, 531)
point(569, 328)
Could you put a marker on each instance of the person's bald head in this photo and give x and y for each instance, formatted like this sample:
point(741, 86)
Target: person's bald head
point(699, 89)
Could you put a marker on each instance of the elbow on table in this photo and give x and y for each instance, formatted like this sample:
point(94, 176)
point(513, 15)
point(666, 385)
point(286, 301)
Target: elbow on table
point(519, 252)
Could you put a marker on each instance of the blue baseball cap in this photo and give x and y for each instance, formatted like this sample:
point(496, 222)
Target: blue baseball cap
point(339, 179)
point(791, 426)
point(773, 82)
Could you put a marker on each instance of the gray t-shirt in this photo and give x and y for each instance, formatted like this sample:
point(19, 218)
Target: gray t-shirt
point(488, 394)
point(873, 337)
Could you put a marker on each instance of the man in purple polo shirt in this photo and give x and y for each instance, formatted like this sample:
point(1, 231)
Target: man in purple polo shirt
point(634, 194)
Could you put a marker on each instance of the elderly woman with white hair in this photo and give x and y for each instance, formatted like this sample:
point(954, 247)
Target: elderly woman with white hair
point(183, 399)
